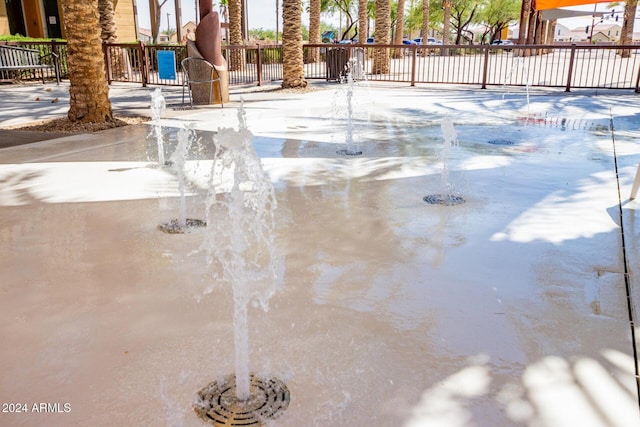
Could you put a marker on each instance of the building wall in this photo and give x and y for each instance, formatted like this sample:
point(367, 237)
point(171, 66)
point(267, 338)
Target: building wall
point(4, 23)
point(124, 16)
point(125, 22)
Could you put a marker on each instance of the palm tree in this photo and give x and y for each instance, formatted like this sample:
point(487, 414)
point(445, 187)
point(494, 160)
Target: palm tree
point(399, 34)
point(118, 59)
point(313, 54)
point(626, 37)
point(88, 91)
point(292, 54)
point(381, 60)
point(424, 32)
point(363, 21)
point(236, 56)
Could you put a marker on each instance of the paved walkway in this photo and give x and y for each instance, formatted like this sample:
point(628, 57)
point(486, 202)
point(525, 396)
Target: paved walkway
point(33, 103)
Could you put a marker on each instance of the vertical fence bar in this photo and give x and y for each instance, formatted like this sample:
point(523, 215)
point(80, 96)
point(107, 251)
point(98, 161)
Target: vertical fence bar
point(485, 68)
point(144, 71)
point(414, 54)
point(259, 64)
point(570, 70)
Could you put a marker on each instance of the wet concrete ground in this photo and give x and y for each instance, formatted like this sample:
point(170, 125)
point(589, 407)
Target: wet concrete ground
point(511, 309)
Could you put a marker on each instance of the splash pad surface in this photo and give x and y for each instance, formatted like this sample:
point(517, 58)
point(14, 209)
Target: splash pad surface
point(508, 309)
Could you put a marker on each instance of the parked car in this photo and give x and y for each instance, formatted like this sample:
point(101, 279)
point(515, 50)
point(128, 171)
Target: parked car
point(409, 42)
point(370, 40)
point(430, 40)
point(503, 43)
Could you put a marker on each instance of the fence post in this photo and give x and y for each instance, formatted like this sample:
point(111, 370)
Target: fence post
point(56, 59)
point(570, 71)
point(638, 82)
point(485, 68)
point(144, 70)
point(414, 54)
point(259, 64)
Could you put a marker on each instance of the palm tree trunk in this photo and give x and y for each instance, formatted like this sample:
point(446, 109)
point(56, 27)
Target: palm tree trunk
point(363, 21)
point(446, 25)
point(399, 34)
point(424, 31)
point(313, 54)
point(381, 58)
point(88, 91)
point(292, 55)
point(236, 56)
point(626, 37)
point(118, 67)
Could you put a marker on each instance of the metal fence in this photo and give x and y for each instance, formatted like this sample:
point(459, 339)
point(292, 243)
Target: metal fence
point(565, 66)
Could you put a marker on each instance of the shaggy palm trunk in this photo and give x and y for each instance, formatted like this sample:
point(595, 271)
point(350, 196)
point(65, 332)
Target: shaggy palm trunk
point(292, 55)
point(399, 34)
point(363, 30)
point(381, 59)
point(313, 54)
point(424, 31)
point(626, 37)
point(88, 91)
point(236, 56)
point(446, 25)
point(106, 8)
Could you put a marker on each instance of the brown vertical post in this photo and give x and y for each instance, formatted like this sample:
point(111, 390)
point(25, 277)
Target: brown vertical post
point(485, 69)
point(414, 54)
point(144, 70)
point(56, 59)
point(259, 65)
point(570, 72)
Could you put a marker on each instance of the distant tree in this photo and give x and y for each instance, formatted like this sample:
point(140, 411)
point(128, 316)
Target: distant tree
point(88, 88)
point(462, 14)
point(155, 9)
point(169, 33)
point(497, 14)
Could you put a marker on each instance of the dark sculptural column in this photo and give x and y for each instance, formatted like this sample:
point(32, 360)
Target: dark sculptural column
point(208, 45)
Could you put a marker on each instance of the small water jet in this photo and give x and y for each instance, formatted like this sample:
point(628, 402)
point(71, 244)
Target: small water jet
point(352, 147)
point(186, 138)
point(449, 141)
point(240, 251)
point(158, 107)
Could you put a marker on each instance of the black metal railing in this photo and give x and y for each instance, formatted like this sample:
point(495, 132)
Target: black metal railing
point(563, 66)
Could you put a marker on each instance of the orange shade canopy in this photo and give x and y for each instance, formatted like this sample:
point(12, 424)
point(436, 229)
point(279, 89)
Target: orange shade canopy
point(554, 4)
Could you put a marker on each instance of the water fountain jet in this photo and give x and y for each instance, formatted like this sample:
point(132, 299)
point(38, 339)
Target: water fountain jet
point(449, 141)
point(240, 251)
point(186, 138)
point(158, 106)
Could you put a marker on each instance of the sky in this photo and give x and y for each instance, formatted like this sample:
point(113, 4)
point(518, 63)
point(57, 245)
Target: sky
point(262, 14)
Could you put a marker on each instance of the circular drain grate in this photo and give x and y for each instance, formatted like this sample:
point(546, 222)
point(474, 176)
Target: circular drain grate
point(173, 226)
point(346, 152)
point(500, 142)
point(217, 403)
point(443, 199)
